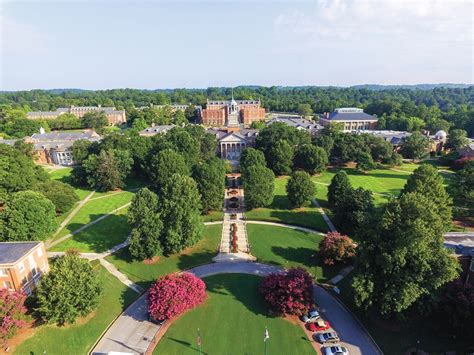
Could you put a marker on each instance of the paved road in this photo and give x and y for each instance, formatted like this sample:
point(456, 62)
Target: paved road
point(132, 333)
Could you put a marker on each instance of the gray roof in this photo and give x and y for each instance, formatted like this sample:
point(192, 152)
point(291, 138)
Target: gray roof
point(228, 102)
point(65, 136)
point(8, 141)
point(72, 109)
point(393, 137)
point(296, 122)
point(350, 114)
point(244, 133)
point(10, 252)
point(156, 129)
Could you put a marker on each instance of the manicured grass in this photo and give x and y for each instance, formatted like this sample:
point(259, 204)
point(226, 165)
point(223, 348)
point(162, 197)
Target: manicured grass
point(213, 216)
point(95, 209)
point(144, 274)
point(279, 210)
point(396, 337)
point(80, 337)
point(64, 175)
point(289, 248)
point(99, 237)
point(233, 321)
point(382, 182)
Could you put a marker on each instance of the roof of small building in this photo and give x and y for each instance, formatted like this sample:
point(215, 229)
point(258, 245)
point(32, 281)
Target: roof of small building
point(157, 129)
point(10, 252)
point(8, 141)
point(65, 136)
point(296, 122)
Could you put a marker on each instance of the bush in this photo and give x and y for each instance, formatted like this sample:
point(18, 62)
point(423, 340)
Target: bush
point(71, 289)
point(62, 195)
point(12, 313)
point(288, 293)
point(336, 248)
point(174, 294)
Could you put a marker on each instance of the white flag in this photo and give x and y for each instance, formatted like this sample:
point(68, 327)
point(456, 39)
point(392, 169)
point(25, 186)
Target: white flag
point(266, 336)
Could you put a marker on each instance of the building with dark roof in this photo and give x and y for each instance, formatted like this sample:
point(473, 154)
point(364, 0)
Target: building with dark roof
point(352, 119)
point(21, 265)
point(298, 123)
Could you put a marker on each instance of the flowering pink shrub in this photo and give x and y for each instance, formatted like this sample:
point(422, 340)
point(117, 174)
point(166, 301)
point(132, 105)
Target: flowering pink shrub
point(173, 294)
point(336, 247)
point(12, 313)
point(289, 293)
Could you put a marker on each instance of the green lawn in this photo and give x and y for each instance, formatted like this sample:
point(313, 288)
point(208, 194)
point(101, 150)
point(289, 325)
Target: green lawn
point(289, 248)
point(64, 175)
point(94, 209)
point(80, 337)
point(279, 211)
point(99, 237)
point(144, 274)
point(213, 216)
point(233, 321)
point(382, 182)
point(396, 337)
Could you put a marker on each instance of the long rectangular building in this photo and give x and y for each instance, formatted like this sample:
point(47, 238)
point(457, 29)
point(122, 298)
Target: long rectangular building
point(232, 113)
point(114, 117)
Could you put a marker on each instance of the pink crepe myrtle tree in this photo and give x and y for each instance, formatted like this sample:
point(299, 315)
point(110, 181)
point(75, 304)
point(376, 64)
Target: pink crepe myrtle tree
point(288, 293)
point(336, 248)
point(174, 294)
point(12, 313)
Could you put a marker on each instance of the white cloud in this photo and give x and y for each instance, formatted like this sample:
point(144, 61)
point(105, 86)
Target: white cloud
point(349, 20)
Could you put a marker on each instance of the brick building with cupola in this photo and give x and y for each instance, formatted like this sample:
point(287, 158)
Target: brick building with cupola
point(232, 113)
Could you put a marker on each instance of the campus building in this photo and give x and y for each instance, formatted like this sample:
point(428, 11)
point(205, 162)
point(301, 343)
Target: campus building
point(298, 123)
point(232, 113)
point(352, 119)
point(232, 142)
point(114, 117)
point(153, 130)
point(21, 265)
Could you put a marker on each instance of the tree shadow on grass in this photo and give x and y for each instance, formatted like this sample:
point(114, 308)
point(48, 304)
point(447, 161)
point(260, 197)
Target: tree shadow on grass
point(103, 235)
point(305, 218)
point(244, 288)
point(187, 261)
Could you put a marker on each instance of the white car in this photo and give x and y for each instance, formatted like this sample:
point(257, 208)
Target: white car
point(328, 337)
point(336, 350)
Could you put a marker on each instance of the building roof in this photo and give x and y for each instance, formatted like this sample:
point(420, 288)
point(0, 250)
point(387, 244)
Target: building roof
point(61, 110)
point(64, 136)
point(299, 123)
point(244, 133)
point(156, 129)
point(350, 114)
point(8, 141)
point(229, 102)
point(393, 137)
point(10, 252)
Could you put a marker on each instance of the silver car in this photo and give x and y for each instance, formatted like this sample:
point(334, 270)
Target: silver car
point(336, 350)
point(328, 337)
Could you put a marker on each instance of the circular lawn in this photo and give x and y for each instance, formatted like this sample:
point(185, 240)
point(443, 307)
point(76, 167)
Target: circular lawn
point(232, 321)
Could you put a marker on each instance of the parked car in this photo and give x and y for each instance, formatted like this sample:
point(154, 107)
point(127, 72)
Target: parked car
point(319, 326)
point(335, 350)
point(311, 317)
point(327, 337)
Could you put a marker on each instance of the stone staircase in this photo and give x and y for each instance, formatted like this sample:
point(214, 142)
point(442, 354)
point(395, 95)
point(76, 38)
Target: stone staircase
point(234, 215)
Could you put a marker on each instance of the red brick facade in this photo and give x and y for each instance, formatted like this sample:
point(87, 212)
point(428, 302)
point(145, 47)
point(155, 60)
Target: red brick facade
point(217, 113)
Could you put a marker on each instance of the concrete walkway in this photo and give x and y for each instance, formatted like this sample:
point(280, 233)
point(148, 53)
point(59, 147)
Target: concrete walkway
point(51, 244)
point(132, 333)
point(73, 213)
point(325, 216)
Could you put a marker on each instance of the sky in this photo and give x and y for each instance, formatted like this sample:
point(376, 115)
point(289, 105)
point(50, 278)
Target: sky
point(150, 44)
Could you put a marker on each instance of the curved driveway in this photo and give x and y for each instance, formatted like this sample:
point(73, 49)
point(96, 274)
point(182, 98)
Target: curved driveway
point(128, 333)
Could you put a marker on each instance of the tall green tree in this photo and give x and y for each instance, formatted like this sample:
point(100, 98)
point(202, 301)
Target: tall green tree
point(339, 186)
point(180, 210)
point(94, 120)
point(144, 216)
point(310, 158)
point(353, 210)
point(305, 110)
point(300, 189)
point(402, 257)
point(280, 158)
point(71, 289)
point(415, 146)
point(365, 162)
point(107, 170)
point(210, 179)
point(258, 183)
point(80, 150)
point(457, 139)
point(251, 157)
point(28, 215)
point(427, 181)
point(62, 195)
point(164, 165)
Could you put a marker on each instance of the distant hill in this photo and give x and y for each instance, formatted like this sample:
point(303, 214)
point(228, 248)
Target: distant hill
point(414, 87)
